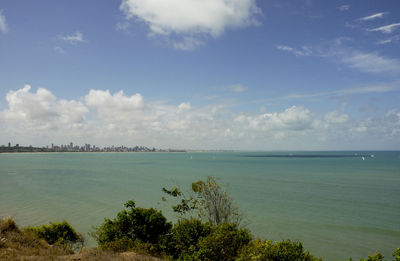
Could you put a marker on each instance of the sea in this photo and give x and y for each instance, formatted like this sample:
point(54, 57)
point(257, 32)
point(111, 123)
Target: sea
point(339, 204)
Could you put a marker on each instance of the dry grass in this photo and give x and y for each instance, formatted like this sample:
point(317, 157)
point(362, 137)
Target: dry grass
point(16, 244)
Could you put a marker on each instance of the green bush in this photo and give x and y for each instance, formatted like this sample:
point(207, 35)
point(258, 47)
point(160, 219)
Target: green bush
point(396, 255)
point(260, 250)
point(223, 243)
point(184, 237)
point(58, 233)
point(132, 225)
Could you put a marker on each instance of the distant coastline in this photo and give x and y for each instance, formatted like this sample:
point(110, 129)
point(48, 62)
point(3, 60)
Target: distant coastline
point(87, 148)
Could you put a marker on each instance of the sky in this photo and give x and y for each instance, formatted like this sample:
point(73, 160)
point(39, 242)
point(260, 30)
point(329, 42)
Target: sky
point(209, 74)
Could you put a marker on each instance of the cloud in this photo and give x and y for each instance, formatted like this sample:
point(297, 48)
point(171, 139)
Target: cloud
point(304, 51)
point(59, 50)
point(393, 39)
point(238, 88)
point(188, 44)
point(373, 16)
point(344, 7)
point(184, 106)
point(191, 18)
point(336, 117)
point(105, 118)
point(3, 24)
point(114, 108)
point(293, 118)
point(41, 110)
point(345, 92)
point(72, 39)
point(370, 62)
point(386, 29)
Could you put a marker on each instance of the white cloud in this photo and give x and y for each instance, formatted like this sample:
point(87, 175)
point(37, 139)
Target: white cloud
point(184, 106)
point(379, 88)
point(105, 118)
point(114, 108)
point(191, 18)
point(373, 16)
point(293, 118)
point(72, 39)
point(393, 39)
point(3, 24)
point(188, 44)
point(238, 88)
point(344, 7)
point(336, 117)
point(304, 51)
point(386, 29)
point(41, 110)
point(59, 50)
point(371, 62)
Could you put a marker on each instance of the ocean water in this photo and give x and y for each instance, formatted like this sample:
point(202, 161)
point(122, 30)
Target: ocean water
point(336, 203)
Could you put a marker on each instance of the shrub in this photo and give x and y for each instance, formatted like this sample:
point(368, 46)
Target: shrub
point(223, 243)
point(17, 245)
point(58, 233)
point(184, 237)
point(260, 250)
point(8, 225)
point(132, 225)
point(396, 255)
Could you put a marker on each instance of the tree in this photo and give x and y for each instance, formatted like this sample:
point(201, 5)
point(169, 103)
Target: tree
point(209, 201)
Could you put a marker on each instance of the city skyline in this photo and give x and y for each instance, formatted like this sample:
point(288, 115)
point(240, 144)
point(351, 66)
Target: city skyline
point(215, 74)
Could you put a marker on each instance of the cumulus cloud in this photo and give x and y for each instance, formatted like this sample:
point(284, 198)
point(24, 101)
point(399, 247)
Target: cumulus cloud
point(336, 117)
point(191, 19)
point(41, 110)
point(114, 107)
point(293, 118)
point(73, 39)
point(3, 24)
point(102, 118)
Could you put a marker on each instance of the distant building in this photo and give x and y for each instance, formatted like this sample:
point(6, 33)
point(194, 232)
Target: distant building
point(9, 145)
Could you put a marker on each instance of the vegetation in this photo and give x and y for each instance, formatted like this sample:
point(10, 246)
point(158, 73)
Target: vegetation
point(208, 233)
point(287, 250)
point(15, 243)
point(61, 233)
point(208, 201)
point(182, 241)
point(132, 227)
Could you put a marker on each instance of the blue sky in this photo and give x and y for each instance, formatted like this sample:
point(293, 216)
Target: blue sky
point(211, 74)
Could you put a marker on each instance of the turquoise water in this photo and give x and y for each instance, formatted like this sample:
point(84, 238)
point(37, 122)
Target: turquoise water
point(337, 204)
